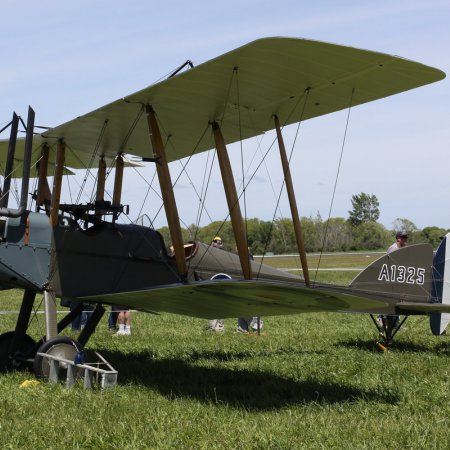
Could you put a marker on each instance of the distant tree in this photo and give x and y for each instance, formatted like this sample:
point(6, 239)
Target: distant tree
point(404, 225)
point(312, 230)
point(432, 235)
point(365, 209)
point(371, 236)
point(339, 235)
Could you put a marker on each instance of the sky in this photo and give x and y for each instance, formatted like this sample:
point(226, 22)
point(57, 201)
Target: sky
point(68, 58)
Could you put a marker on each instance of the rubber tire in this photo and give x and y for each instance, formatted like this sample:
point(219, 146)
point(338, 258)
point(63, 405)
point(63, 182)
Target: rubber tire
point(6, 364)
point(62, 346)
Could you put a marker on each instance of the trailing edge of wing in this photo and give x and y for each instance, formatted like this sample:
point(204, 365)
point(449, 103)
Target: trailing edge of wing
point(212, 299)
point(242, 90)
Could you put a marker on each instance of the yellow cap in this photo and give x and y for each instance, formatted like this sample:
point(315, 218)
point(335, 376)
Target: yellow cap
point(217, 238)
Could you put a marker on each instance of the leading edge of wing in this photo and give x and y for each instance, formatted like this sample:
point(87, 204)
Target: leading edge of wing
point(232, 298)
point(242, 90)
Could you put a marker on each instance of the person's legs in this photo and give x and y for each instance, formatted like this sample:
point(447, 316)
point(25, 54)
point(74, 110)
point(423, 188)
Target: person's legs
point(256, 323)
point(243, 324)
point(127, 321)
point(87, 312)
point(121, 322)
point(112, 319)
point(216, 325)
point(124, 321)
point(76, 322)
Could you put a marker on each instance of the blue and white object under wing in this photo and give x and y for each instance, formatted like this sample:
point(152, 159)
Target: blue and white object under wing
point(441, 286)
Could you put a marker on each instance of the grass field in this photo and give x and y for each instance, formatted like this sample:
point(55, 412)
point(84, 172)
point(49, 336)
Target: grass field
point(310, 381)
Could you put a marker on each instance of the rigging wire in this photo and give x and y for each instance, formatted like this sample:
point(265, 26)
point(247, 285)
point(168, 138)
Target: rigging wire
point(242, 153)
point(91, 162)
point(335, 184)
point(269, 235)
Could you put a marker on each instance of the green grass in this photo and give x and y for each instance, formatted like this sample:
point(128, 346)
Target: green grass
point(310, 381)
point(326, 261)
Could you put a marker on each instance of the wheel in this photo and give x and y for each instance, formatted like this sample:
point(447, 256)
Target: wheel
point(61, 346)
point(7, 362)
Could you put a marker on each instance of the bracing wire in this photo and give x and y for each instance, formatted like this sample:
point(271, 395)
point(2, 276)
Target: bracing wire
point(335, 184)
point(269, 235)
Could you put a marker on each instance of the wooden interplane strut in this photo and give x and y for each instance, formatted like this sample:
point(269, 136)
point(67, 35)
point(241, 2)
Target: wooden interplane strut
point(292, 202)
point(43, 190)
point(232, 201)
point(118, 181)
point(101, 179)
point(57, 182)
point(165, 182)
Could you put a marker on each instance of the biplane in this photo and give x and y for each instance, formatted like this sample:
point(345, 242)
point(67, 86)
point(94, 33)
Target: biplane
point(81, 252)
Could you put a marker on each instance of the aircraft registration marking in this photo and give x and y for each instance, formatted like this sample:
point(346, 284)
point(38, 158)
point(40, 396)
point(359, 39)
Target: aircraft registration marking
point(402, 274)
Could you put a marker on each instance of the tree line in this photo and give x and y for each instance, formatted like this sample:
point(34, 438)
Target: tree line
point(360, 231)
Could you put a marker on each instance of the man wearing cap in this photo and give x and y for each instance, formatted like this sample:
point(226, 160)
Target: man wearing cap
point(401, 239)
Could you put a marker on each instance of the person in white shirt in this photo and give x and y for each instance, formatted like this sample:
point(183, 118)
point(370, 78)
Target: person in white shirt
point(401, 239)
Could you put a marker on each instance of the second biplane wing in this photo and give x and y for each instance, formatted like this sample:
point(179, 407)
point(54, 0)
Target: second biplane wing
point(232, 298)
point(241, 90)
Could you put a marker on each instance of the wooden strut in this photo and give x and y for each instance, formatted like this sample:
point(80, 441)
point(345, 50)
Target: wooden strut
point(118, 180)
point(49, 295)
point(168, 196)
point(101, 181)
point(233, 202)
point(57, 182)
point(292, 203)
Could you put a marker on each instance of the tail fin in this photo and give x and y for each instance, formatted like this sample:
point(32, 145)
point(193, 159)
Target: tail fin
point(404, 274)
point(440, 292)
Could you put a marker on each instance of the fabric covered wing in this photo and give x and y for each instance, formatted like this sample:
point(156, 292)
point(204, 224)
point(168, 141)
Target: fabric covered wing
point(242, 90)
point(224, 299)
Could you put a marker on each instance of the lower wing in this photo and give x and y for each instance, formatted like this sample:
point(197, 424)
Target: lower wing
point(232, 298)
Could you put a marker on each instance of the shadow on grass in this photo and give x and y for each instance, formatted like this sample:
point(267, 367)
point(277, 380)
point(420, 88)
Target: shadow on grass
point(218, 355)
point(249, 390)
point(397, 346)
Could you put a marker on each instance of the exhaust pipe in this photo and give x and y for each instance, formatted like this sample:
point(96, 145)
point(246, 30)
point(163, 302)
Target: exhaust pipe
point(4, 210)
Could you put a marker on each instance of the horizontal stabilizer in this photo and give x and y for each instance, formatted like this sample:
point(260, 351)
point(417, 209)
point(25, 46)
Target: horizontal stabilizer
point(411, 307)
point(232, 298)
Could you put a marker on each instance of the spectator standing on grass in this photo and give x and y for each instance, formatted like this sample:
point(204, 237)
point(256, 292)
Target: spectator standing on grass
point(124, 321)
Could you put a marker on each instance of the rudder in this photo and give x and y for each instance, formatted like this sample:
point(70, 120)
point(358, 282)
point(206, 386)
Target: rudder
point(440, 292)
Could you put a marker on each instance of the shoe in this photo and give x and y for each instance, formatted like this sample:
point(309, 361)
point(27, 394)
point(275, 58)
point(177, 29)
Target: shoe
point(127, 333)
point(120, 333)
point(241, 330)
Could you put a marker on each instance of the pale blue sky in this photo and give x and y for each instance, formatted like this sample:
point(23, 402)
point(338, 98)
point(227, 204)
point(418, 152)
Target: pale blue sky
point(68, 58)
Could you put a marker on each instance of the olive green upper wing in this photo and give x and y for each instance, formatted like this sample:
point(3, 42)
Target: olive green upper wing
point(241, 90)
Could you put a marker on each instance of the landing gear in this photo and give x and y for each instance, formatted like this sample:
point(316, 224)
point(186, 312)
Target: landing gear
point(60, 346)
point(18, 350)
point(14, 355)
point(387, 326)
